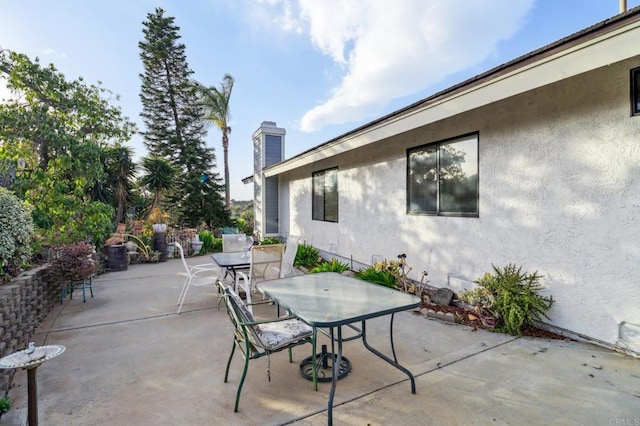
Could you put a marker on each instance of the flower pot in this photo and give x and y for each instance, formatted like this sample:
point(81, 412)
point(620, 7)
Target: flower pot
point(160, 227)
point(196, 246)
point(171, 248)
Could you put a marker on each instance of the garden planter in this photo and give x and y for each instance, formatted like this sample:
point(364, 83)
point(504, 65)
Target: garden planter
point(160, 244)
point(171, 249)
point(196, 246)
point(117, 258)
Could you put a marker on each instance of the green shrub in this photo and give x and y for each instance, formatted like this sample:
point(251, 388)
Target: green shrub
point(270, 240)
point(16, 231)
point(217, 244)
point(306, 256)
point(207, 241)
point(381, 277)
point(514, 297)
point(5, 404)
point(334, 265)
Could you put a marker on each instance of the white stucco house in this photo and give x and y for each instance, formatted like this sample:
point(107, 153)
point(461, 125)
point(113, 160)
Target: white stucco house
point(535, 162)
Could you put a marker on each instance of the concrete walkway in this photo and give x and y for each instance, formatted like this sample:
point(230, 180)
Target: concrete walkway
point(130, 360)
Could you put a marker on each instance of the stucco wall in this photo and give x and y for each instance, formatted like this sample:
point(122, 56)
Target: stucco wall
point(559, 193)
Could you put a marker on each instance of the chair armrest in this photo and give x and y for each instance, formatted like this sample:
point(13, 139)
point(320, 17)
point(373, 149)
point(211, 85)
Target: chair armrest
point(205, 266)
point(258, 322)
point(200, 272)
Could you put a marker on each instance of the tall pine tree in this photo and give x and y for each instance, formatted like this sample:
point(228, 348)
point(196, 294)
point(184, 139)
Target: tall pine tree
point(174, 127)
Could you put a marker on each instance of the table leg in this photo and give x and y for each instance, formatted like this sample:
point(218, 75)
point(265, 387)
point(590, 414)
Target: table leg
point(32, 396)
point(394, 361)
point(335, 373)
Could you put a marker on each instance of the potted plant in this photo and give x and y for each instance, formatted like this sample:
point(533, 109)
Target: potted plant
point(158, 218)
point(196, 244)
point(76, 262)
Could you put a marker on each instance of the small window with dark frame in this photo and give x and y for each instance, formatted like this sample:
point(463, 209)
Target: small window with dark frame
point(442, 177)
point(635, 91)
point(325, 195)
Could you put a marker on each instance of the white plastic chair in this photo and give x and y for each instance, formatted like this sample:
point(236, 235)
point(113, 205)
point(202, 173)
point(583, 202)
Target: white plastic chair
point(289, 257)
point(233, 242)
point(266, 264)
point(198, 275)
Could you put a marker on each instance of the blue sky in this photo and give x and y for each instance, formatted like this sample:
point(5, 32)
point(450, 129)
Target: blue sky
point(318, 68)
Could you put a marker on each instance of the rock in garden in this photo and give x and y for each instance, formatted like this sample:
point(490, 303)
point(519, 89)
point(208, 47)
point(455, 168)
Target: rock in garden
point(442, 296)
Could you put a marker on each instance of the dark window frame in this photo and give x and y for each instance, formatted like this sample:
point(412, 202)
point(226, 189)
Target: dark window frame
point(324, 217)
point(635, 91)
point(436, 146)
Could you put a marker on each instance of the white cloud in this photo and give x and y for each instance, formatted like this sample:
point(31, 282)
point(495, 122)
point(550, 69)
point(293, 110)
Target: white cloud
point(393, 49)
point(52, 52)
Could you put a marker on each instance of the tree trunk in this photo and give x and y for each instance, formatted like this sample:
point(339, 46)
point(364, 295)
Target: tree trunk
point(225, 147)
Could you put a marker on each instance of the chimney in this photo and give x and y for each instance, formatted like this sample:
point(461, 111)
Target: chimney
point(623, 6)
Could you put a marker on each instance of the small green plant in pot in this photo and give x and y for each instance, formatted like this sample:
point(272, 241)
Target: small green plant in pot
point(207, 241)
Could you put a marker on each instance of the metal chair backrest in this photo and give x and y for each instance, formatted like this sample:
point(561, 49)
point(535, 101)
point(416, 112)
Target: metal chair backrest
point(289, 256)
point(266, 263)
point(184, 262)
point(233, 242)
point(243, 322)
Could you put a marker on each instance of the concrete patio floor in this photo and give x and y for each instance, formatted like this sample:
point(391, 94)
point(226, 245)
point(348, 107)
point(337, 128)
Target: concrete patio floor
point(130, 360)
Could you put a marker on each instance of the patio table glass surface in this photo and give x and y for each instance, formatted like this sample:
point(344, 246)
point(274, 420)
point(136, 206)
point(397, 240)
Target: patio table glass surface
point(331, 300)
point(238, 259)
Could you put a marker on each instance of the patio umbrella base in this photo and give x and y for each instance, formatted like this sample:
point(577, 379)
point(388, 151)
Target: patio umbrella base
point(324, 366)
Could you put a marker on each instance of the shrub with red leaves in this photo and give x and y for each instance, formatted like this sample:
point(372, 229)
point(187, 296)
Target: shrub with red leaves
point(76, 261)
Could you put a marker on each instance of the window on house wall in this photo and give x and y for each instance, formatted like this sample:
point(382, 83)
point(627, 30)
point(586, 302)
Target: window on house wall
point(635, 91)
point(442, 177)
point(325, 195)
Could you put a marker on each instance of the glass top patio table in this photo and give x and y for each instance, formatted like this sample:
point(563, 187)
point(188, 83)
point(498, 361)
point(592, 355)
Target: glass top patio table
point(331, 300)
point(233, 259)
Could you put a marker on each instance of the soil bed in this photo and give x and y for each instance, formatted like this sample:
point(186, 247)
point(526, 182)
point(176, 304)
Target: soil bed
point(468, 318)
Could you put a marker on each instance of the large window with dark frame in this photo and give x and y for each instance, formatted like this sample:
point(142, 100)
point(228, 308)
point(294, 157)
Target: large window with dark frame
point(442, 177)
point(325, 195)
point(635, 91)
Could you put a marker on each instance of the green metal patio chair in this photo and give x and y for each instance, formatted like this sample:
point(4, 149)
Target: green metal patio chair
point(258, 338)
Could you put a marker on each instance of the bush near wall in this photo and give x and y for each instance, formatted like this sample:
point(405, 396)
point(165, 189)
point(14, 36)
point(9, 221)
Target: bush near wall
point(24, 303)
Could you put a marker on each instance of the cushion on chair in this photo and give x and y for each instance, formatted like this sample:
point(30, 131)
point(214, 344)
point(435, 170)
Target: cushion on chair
point(281, 333)
point(272, 335)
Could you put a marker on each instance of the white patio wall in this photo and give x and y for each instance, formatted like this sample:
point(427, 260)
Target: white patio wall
point(559, 193)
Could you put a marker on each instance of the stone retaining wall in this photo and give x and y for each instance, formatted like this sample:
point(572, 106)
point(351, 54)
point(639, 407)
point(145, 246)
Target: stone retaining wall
point(24, 304)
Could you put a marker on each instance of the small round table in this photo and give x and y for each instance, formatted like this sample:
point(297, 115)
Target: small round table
point(30, 362)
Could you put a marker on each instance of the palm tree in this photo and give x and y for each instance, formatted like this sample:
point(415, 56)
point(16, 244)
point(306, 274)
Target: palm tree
point(158, 177)
point(216, 110)
point(122, 170)
point(115, 185)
